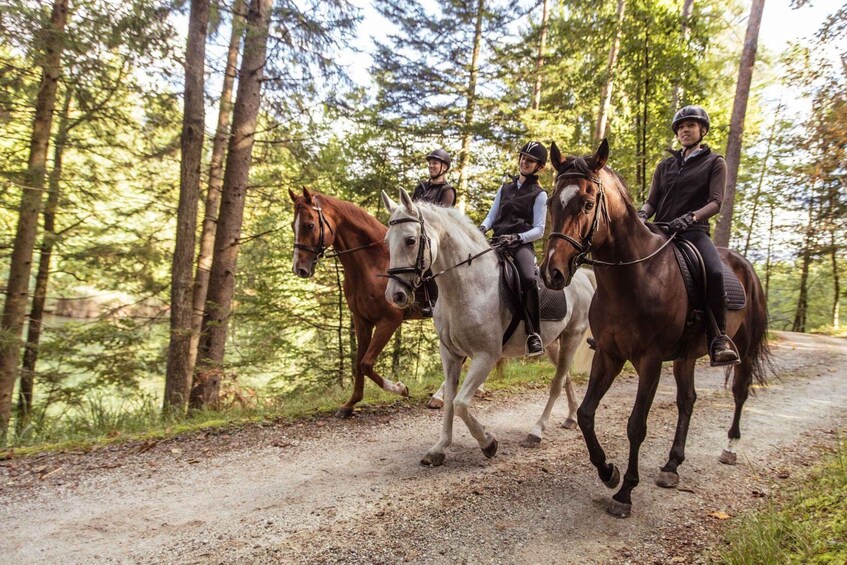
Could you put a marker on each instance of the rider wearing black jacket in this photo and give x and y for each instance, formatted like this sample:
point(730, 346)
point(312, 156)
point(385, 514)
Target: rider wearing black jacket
point(688, 189)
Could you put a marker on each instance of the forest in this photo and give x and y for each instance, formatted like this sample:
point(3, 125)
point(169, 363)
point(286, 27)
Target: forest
point(148, 147)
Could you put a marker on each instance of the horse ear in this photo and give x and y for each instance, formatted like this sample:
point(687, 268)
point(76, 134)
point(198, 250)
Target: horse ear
point(307, 195)
point(602, 155)
point(556, 156)
point(390, 205)
point(406, 200)
point(293, 196)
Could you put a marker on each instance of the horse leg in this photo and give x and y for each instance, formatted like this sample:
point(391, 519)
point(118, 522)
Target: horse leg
point(437, 400)
point(683, 372)
point(364, 330)
point(385, 328)
point(604, 369)
point(636, 430)
point(477, 373)
point(743, 376)
point(452, 365)
point(561, 353)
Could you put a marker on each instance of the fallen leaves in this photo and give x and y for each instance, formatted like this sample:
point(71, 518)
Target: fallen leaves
point(720, 515)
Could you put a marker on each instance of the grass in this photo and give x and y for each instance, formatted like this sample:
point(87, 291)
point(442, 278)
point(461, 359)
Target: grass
point(101, 419)
point(808, 526)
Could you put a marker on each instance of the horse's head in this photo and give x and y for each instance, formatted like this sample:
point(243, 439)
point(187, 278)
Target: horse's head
point(576, 211)
point(313, 233)
point(410, 250)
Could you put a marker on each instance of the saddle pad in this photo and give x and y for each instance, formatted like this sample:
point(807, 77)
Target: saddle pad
point(554, 304)
point(691, 269)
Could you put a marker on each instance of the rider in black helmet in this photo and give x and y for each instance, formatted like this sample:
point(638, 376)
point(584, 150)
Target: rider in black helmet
point(517, 217)
point(688, 188)
point(436, 191)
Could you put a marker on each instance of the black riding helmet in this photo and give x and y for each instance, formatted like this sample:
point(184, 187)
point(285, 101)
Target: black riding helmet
point(440, 155)
point(535, 150)
point(696, 113)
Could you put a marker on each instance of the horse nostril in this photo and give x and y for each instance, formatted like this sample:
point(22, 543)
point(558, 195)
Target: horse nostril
point(558, 278)
point(399, 297)
point(303, 273)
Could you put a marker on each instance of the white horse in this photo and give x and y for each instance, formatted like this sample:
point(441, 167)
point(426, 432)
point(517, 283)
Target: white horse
point(470, 316)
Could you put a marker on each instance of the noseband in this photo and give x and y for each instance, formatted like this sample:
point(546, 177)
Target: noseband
point(583, 247)
point(419, 268)
point(320, 249)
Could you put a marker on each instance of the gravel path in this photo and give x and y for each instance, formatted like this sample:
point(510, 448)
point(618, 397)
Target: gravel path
point(328, 491)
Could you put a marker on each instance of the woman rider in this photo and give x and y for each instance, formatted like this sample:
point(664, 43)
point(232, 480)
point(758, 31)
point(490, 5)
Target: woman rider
point(517, 217)
point(687, 189)
point(437, 191)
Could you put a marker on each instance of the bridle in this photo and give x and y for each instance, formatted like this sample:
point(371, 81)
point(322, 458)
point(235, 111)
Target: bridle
point(584, 247)
point(419, 268)
point(320, 250)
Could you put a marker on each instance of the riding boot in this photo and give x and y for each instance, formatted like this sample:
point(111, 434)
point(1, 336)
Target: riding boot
point(721, 349)
point(534, 345)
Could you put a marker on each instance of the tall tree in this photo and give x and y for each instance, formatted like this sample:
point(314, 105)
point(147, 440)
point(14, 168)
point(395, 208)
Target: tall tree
point(539, 59)
point(212, 345)
point(608, 85)
point(178, 375)
point(723, 230)
point(216, 177)
point(20, 267)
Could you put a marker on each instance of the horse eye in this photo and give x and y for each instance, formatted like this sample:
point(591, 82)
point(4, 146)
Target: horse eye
point(310, 226)
point(589, 205)
point(410, 240)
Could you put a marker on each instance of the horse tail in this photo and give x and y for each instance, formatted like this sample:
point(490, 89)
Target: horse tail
point(758, 351)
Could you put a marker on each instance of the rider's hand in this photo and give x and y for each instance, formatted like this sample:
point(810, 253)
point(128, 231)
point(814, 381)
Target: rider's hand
point(681, 223)
point(509, 239)
point(482, 229)
point(642, 215)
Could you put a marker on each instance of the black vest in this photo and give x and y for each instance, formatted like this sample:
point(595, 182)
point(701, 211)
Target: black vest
point(428, 192)
point(516, 204)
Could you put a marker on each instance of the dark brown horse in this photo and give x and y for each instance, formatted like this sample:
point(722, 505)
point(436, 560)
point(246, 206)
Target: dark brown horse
point(639, 312)
point(322, 222)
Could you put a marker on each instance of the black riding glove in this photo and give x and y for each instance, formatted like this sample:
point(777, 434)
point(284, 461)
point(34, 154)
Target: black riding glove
point(682, 223)
point(509, 240)
point(642, 215)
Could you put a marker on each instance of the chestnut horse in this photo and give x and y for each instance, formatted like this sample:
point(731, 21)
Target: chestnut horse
point(322, 222)
point(639, 312)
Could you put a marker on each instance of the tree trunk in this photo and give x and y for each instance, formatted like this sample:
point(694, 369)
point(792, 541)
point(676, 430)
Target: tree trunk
point(836, 283)
point(470, 106)
point(234, 191)
point(606, 96)
point(723, 231)
point(178, 376)
point(799, 324)
point(397, 351)
point(687, 9)
point(539, 60)
point(770, 255)
point(761, 182)
point(213, 196)
point(36, 313)
point(20, 267)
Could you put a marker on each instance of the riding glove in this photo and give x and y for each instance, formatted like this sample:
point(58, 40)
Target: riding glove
point(681, 223)
point(642, 215)
point(509, 239)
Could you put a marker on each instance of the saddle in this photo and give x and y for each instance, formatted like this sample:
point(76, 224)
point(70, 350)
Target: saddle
point(552, 304)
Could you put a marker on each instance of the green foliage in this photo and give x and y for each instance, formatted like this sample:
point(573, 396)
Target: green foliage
point(810, 527)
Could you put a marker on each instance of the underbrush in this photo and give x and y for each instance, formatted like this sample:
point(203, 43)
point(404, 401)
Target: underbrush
point(807, 526)
point(102, 418)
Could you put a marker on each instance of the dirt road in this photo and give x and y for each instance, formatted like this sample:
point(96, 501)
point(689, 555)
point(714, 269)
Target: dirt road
point(326, 491)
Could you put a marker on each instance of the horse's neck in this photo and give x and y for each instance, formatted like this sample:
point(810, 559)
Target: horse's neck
point(350, 235)
point(455, 247)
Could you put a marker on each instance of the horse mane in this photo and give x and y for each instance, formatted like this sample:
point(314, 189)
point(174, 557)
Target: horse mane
point(457, 217)
point(355, 214)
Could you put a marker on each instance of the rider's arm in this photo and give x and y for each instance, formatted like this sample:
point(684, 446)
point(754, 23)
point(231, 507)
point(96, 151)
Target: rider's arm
point(539, 219)
point(492, 214)
point(717, 186)
point(448, 197)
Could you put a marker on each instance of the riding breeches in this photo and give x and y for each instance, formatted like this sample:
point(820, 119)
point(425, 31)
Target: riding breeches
point(715, 292)
point(524, 257)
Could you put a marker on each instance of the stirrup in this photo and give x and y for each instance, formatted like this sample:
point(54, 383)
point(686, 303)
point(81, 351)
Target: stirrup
point(534, 352)
point(730, 354)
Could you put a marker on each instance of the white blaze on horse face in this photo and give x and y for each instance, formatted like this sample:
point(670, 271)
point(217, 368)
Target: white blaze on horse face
point(567, 194)
point(296, 240)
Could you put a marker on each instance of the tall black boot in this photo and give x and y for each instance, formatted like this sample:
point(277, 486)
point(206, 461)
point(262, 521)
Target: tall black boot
point(534, 345)
point(721, 349)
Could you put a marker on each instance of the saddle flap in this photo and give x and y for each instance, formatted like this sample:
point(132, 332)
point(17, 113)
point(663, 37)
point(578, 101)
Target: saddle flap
point(510, 283)
point(691, 268)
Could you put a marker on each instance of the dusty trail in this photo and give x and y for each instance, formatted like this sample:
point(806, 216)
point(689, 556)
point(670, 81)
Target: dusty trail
point(352, 492)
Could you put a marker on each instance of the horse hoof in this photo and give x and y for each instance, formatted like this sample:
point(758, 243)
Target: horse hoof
point(619, 509)
point(728, 458)
point(435, 403)
point(614, 479)
point(569, 424)
point(404, 390)
point(667, 479)
point(531, 441)
point(344, 412)
point(491, 450)
point(432, 459)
